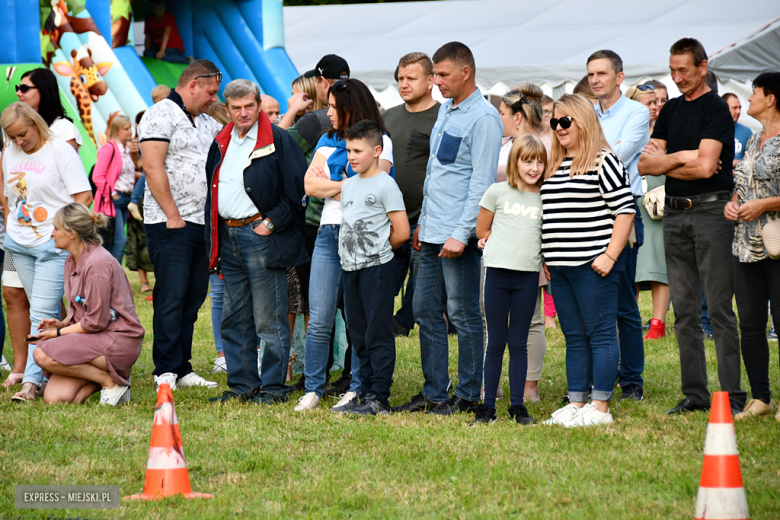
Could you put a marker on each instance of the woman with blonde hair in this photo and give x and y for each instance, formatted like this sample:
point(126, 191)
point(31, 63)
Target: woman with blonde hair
point(96, 345)
point(43, 174)
point(646, 95)
point(588, 210)
point(114, 178)
point(303, 100)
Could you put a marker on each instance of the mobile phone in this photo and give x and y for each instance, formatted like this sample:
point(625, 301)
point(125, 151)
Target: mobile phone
point(32, 339)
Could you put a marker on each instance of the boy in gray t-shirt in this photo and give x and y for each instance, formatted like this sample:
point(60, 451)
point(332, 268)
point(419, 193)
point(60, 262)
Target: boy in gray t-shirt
point(373, 223)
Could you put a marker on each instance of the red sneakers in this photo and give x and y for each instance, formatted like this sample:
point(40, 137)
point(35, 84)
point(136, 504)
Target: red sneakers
point(657, 329)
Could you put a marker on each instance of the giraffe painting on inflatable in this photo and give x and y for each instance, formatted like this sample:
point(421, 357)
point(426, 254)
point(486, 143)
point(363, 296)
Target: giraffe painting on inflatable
point(86, 84)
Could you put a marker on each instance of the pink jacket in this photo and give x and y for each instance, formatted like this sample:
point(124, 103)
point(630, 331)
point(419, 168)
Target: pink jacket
point(107, 170)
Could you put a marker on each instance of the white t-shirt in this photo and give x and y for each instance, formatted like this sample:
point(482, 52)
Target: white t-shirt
point(65, 130)
point(331, 210)
point(37, 186)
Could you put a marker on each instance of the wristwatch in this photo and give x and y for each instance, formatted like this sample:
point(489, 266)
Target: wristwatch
point(269, 225)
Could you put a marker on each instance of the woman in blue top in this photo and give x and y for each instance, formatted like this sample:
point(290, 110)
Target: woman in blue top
point(349, 102)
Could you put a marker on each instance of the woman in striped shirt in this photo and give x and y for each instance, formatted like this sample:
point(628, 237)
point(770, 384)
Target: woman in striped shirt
point(588, 211)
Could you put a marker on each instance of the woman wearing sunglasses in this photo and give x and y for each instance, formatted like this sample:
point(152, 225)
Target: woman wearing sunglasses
point(587, 215)
point(349, 102)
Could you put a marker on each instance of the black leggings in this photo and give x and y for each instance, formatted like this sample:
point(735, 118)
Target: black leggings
point(755, 285)
point(508, 292)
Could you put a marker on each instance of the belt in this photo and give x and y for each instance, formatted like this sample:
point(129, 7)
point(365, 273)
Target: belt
point(241, 221)
point(689, 202)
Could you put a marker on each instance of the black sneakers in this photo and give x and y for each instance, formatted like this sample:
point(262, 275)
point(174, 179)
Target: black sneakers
point(300, 386)
point(269, 398)
point(519, 414)
point(370, 406)
point(484, 415)
point(339, 386)
point(418, 403)
point(633, 392)
point(454, 405)
point(232, 395)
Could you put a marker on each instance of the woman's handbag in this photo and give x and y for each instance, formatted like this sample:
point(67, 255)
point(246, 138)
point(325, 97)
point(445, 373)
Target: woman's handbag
point(654, 200)
point(770, 233)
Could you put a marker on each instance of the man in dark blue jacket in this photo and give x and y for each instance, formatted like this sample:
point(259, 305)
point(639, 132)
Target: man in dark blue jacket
point(255, 211)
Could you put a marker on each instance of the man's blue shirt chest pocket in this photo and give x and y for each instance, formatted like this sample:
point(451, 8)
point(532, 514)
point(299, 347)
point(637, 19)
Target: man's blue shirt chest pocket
point(448, 148)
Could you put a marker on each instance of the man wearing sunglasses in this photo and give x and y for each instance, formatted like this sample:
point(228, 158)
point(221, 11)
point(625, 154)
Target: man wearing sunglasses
point(175, 136)
point(625, 124)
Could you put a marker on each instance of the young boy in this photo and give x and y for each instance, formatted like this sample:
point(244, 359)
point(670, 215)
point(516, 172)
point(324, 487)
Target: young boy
point(374, 223)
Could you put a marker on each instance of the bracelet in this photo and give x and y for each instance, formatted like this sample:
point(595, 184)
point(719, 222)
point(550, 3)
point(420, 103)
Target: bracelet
point(59, 333)
point(610, 257)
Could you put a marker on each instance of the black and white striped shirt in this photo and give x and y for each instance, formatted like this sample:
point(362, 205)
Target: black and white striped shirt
point(579, 211)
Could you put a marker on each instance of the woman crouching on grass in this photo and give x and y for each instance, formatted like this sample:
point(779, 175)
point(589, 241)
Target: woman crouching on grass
point(96, 345)
point(509, 226)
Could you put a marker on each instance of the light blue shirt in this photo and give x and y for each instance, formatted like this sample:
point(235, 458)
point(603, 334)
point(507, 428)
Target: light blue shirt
point(234, 203)
point(628, 122)
point(465, 144)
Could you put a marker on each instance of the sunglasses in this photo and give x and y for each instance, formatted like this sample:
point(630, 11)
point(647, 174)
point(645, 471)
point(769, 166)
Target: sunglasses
point(339, 86)
point(565, 122)
point(24, 89)
point(218, 75)
point(645, 88)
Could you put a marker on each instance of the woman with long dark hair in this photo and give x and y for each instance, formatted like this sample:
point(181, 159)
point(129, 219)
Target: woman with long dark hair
point(349, 101)
point(39, 89)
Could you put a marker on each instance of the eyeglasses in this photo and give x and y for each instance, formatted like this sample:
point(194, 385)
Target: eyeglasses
point(565, 122)
point(339, 86)
point(218, 75)
point(645, 88)
point(24, 89)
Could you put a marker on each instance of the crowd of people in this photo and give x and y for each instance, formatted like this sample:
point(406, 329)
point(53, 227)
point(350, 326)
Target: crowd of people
point(489, 221)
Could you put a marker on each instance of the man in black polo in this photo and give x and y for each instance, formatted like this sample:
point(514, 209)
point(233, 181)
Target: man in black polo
point(693, 145)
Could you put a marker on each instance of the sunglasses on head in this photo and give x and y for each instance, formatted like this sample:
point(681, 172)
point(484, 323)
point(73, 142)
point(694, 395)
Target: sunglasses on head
point(565, 122)
point(339, 86)
point(645, 88)
point(24, 89)
point(218, 75)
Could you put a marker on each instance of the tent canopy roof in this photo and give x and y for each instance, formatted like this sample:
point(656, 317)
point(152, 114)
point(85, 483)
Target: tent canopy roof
point(534, 40)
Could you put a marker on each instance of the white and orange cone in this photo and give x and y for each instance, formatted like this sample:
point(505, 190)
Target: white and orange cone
point(166, 469)
point(721, 491)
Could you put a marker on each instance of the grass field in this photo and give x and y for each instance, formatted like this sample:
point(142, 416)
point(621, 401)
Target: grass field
point(271, 462)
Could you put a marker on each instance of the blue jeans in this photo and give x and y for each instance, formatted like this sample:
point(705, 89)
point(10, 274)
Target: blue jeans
point(255, 305)
point(587, 309)
point(451, 285)
point(171, 55)
point(138, 191)
point(325, 291)
point(120, 237)
point(42, 273)
point(181, 267)
point(407, 259)
point(706, 322)
point(217, 297)
point(629, 321)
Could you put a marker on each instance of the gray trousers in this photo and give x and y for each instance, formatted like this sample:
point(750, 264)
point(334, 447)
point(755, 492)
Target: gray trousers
point(698, 254)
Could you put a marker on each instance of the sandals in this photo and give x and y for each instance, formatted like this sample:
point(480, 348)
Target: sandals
point(29, 392)
point(14, 378)
point(147, 290)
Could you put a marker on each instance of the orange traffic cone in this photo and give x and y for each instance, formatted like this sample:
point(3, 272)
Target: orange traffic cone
point(166, 469)
point(721, 492)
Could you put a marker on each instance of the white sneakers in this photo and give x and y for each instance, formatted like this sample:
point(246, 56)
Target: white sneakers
point(570, 416)
point(115, 396)
point(220, 365)
point(4, 364)
point(168, 377)
point(308, 401)
point(193, 379)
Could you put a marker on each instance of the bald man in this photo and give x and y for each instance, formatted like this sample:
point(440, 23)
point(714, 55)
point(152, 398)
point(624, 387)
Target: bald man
point(270, 106)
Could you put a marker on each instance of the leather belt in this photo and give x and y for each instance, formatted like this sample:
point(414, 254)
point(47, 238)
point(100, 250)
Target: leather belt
point(241, 221)
point(689, 202)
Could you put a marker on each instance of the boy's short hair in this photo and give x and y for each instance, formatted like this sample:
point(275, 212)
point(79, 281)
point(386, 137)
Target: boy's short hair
point(160, 92)
point(365, 130)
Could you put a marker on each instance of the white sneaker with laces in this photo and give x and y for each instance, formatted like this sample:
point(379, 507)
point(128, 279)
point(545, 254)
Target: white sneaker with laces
point(563, 416)
point(4, 365)
point(193, 379)
point(589, 415)
point(345, 398)
point(115, 396)
point(220, 365)
point(168, 377)
point(308, 401)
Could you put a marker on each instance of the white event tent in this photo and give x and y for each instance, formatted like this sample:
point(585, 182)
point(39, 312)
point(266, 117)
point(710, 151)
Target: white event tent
point(546, 42)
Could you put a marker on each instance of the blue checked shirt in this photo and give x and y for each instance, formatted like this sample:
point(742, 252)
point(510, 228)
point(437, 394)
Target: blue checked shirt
point(628, 122)
point(465, 143)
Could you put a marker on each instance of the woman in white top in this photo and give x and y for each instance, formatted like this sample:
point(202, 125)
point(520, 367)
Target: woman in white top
point(41, 174)
point(350, 101)
point(38, 88)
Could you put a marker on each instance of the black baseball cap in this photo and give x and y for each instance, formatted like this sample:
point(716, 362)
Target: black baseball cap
point(330, 67)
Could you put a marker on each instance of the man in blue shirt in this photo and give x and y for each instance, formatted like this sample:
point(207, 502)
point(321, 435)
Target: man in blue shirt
point(626, 125)
point(741, 132)
point(465, 143)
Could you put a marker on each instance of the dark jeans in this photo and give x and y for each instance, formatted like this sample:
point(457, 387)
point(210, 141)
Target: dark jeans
point(509, 295)
point(706, 323)
point(629, 321)
point(255, 306)
point(181, 268)
point(698, 253)
point(451, 285)
point(756, 284)
point(120, 236)
point(171, 55)
point(407, 259)
point(369, 296)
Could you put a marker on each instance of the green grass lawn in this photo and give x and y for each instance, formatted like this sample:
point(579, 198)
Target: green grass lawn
point(271, 462)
